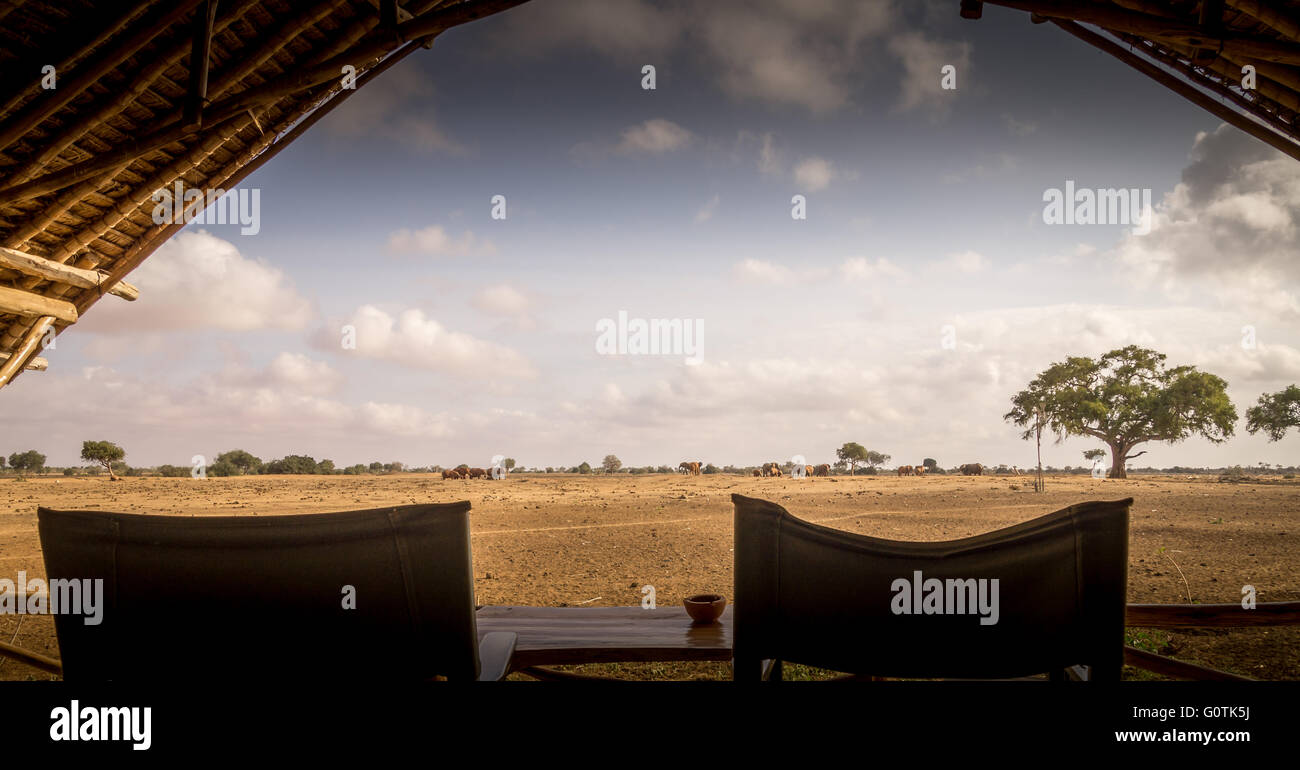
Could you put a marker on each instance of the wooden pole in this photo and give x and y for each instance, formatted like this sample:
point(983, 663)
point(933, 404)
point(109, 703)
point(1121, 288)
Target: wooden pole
point(1038, 429)
point(58, 272)
point(17, 362)
point(200, 56)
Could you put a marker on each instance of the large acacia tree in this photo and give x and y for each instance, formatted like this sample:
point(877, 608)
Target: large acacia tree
point(1125, 398)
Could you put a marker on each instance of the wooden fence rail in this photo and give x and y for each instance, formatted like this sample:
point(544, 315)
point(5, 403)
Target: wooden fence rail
point(1201, 616)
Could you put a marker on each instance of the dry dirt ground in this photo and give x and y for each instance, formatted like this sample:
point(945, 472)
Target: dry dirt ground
point(563, 540)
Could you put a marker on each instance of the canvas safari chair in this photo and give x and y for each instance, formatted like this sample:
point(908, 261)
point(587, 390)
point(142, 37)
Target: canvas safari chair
point(823, 597)
point(383, 594)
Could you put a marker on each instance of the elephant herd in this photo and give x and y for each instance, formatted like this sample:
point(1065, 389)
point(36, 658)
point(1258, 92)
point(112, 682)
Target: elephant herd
point(774, 469)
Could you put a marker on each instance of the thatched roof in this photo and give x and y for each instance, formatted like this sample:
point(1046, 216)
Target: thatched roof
point(1197, 48)
point(130, 115)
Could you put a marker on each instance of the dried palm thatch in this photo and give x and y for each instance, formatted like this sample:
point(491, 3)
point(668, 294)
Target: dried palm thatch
point(132, 114)
point(149, 93)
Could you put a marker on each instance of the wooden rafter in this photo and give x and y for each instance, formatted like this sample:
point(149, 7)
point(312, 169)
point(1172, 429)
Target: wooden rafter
point(49, 270)
point(31, 305)
point(200, 57)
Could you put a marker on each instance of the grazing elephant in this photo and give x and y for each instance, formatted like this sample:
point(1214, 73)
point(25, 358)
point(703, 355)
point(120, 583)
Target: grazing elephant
point(691, 469)
point(972, 469)
point(905, 470)
point(477, 473)
point(822, 470)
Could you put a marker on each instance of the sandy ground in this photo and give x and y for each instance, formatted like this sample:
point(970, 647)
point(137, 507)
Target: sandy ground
point(561, 540)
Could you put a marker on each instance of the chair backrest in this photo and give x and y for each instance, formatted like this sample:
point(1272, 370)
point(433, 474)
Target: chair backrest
point(838, 600)
point(268, 596)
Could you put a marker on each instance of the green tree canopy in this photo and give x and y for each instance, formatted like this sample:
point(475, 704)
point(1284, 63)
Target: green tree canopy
point(30, 461)
point(1275, 414)
point(300, 464)
point(242, 462)
point(103, 452)
point(852, 454)
point(1125, 398)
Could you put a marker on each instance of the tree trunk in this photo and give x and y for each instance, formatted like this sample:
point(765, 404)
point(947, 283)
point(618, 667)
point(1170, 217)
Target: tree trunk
point(1118, 455)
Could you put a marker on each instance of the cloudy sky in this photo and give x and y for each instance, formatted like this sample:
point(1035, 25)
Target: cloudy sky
point(476, 336)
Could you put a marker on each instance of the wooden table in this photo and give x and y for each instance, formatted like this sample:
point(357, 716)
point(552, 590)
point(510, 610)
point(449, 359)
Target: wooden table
point(550, 636)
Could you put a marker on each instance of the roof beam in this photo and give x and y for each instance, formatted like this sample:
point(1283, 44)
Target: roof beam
point(30, 305)
point(200, 56)
point(48, 269)
point(1288, 25)
point(1159, 28)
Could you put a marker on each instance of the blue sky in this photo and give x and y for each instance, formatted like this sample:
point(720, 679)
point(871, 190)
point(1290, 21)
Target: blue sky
point(924, 211)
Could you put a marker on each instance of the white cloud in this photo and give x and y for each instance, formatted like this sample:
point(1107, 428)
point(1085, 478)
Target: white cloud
point(198, 281)
point(435, 240)
point(923, 60)
point(706, 211)
point(302, 373)
point(416, 341)
point(761, 271)
point(506, 301)
point(654, 136)
point(383, 110)
point(801, 53)
point(863, 269)
point(1230, 228)
point(964, 262)
point(1019, 127)
point(814, 173)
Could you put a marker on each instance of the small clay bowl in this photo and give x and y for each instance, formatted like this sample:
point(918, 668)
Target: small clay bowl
point(705, 608)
